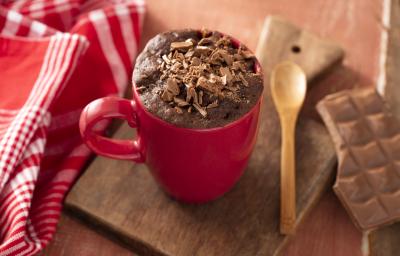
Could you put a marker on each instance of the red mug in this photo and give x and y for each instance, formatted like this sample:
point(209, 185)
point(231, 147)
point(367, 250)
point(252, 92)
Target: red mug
point(192, 165)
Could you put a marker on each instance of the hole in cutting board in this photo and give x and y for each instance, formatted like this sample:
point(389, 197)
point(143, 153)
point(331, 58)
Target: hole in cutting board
point(296, 49)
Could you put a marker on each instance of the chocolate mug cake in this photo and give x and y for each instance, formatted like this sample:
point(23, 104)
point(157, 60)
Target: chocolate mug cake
point(197, 79)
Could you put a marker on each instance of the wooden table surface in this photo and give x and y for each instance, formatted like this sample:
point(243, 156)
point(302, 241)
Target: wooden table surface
point(354, 24)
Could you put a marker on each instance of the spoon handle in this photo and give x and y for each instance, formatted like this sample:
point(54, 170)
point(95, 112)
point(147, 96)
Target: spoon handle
point(288, 181)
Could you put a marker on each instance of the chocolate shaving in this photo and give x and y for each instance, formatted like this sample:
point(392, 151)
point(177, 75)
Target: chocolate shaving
point(202, 50)
point(181, 45)
point(225, 72)
point(162, 66)
point(179, 110)
point(191, 40)
point(238, 65)
point(205, 41)
point(213, 105)
point(194, 95)
point(166, 59)
point(167, 96)
point(208, 85)
point(224, 80)
point(244, 81)
point(172, 86)
point(238, 57)
point(247, 54)
point(196, 61)
point(200, 98)
point(141, 88)
point(180, 102)
point(216, 57)
point(227, 57)
point(176, 66)
point(224, 41)
point(205, 33)
point(191, 94)
point(202, 111)
point(189, 54)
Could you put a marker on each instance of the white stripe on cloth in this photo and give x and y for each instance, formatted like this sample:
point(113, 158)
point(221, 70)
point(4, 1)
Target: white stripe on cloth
point(44, 69)
point(103, 30)
point(6, 119)
point(5, 112)
point(9, 202)
point(35, 242)
point(13, 248)
point(56, 10)
point(62, 67)
point(91, 5)
point(37, 29)
point(12, 23)
point(80, 151)
point(16, 211)
point(18, 4)
point(64, 9)
point(63, 146)
point(137, 3)
point(82, 46)
point(10, 211)
point(124, 16)
point(65, 120)
point(24, 191)
point(50, 5)
point(140, 9)
point(37, 7)
point(37, 146)
point(26, 178)
point(16, 138)
point(46, 232)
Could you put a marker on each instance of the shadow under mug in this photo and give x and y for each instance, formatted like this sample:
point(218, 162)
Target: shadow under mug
point(192, 165)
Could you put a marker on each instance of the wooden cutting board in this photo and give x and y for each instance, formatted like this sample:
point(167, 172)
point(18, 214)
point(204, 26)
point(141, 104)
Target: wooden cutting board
point(123, 199)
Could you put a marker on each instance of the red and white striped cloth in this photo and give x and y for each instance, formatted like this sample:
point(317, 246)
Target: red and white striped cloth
point(55, 57)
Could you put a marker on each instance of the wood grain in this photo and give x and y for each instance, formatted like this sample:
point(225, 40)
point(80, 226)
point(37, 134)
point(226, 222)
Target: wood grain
point(323, 234)
point(386, 241)
point(392, 85)
point(307, 50)
point(80, 239)
point(126, 200)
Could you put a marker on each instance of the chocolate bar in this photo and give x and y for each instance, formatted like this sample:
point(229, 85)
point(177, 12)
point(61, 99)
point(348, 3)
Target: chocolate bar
point(367, 140)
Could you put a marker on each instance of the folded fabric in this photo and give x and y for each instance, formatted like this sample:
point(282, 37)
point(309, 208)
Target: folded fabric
point(55, 57)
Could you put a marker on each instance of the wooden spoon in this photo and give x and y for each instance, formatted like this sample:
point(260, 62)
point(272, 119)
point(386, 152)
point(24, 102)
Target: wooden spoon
point(288, 86)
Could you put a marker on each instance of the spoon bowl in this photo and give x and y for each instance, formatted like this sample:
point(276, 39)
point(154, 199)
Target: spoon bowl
point(288, 85)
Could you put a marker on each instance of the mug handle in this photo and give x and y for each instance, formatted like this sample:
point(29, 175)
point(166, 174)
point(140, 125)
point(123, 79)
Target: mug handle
point(108, 108)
